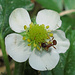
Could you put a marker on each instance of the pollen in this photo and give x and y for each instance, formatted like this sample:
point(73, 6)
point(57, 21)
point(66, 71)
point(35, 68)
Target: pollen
point(47, 27)
point(51, 34)
point(48, 37)
point(49, 31)
point(37, 33)
point(31, 24)
point(29, 44)
point(25, 27)
point(40, 44)
point(28, 40)
point(49, 42)
point(43, 25)
point(24, 38)
point(34, 45)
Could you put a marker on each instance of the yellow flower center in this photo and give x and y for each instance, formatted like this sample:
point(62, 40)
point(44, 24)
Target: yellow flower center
point(36, 34)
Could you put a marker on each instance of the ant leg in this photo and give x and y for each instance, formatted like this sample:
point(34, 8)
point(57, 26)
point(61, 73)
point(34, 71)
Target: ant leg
point(52, 38)
point(54, 47)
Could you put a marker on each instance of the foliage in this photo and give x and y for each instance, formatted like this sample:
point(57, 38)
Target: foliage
point(66, 65)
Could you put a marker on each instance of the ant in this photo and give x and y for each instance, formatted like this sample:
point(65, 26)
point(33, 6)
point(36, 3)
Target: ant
point(46, 45)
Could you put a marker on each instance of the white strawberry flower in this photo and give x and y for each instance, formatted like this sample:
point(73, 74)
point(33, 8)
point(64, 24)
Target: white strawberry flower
point(35, 41)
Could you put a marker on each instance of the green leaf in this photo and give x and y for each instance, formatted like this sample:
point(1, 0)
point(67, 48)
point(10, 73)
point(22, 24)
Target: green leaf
point(69, 4)
point(70, 62)
point(67, 22)
point(51, 4)
point(7, 6)
point(0, 16)
point(20, 4)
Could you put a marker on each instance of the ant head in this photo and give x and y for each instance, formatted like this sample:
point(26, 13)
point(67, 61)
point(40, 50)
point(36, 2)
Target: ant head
point(54, 42)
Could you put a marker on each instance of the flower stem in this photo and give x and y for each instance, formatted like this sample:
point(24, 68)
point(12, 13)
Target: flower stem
point(19, 68)
point(66, 12)
point(6, 61)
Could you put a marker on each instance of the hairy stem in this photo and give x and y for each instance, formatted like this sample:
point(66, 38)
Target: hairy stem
point(6, 61)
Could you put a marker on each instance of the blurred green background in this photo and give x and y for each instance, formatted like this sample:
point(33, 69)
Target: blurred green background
point(66, 65)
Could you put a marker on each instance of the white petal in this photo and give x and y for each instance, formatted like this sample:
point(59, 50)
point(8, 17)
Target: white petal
point(18, 18)
point(49, 17)
point(17, 48)
point(62, 42)
point(43, 60)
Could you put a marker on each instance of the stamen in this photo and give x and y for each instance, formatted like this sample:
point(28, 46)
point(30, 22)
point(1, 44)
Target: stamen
point(51, 34)
point(48, 37)
point(24, 38)
point(29, 44)
point(49, 42)
point(31, 24)
point(47, 27)
point(42, 25)
point(49, 31)
point(28, 40)
point(34, 45)
point(36, 35)
point(25, 27)
point(40, 44)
